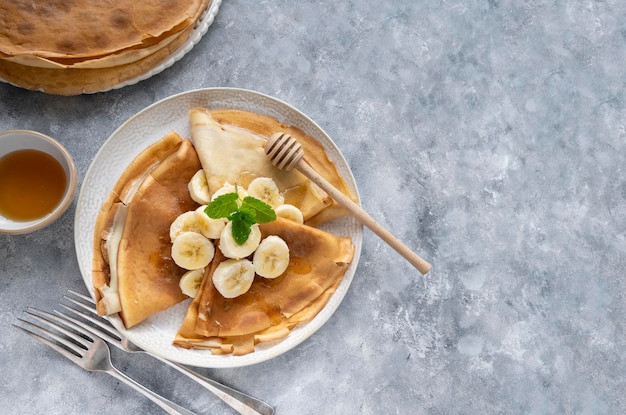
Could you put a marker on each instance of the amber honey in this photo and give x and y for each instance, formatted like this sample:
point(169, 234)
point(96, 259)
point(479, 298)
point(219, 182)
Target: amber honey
point(32, 184)
point(300, 265)
point(295, 195)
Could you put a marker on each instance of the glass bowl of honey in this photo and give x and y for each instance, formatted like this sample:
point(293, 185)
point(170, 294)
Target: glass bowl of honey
point(37, 181)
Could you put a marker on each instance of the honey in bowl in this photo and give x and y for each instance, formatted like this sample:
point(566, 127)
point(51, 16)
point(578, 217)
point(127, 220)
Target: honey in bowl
point(32, 184)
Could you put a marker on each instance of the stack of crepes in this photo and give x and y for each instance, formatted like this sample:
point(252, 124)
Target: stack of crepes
point(84, 46)
point(135, 276)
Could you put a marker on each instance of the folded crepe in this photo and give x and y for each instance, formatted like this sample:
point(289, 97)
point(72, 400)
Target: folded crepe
point(230, 144)
point(133, 272)
point(272, 307)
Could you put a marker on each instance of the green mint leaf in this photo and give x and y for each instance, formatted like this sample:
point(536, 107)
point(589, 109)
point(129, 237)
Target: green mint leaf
point(263, 213)
point(240, 227)
point(243, 214)
point(222, 206)
point(247, 216)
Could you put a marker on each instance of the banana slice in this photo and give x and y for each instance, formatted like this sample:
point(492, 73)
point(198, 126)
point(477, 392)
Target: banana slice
point(209, 227)
point(265, 189)
point(289, 212)
point(190, 282)
point(185, 222)
point(271, 258)
point(230, 188)
point(231, 249)
point(233, 277)
point(199, 188)
point(191, 250)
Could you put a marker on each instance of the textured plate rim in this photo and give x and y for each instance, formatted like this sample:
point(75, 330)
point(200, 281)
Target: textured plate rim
point(230, 98)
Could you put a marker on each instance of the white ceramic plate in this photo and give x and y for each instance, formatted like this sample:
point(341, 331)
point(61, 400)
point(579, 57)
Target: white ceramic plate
point(202, 26)
point(149, 125)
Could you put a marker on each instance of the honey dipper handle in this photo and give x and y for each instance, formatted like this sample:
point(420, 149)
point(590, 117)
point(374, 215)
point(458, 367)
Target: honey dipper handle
point(363, 217)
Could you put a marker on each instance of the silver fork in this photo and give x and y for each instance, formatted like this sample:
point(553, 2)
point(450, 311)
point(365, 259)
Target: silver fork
point(87, 351)
point(241, 402)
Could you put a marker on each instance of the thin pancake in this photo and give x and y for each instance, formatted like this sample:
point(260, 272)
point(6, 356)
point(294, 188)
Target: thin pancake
point(99, 62)
point(83, 28)
point(147, 278)
point(245, 133)
point(131, 178)
point(75, 81)
point(271, 307)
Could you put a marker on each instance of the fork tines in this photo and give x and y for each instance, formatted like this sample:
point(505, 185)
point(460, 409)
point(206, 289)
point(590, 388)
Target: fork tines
point(71, 345)
point(104, 330)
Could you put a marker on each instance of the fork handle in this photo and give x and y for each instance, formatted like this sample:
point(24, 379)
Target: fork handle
point(169, 406)
point(244, 404)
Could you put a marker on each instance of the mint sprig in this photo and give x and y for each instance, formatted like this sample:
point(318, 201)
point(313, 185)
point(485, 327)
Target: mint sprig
point(261, 211)
point(222, 206)
point(242, 213)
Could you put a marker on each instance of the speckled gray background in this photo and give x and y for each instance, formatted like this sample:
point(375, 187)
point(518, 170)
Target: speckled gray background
point(487, 135)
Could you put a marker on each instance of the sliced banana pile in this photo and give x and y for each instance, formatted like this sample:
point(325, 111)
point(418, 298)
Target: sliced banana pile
point(194, 236)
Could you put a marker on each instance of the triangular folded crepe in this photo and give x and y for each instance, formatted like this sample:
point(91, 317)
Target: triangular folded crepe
point(133, 272)
point(272, 307)
point(230, 146)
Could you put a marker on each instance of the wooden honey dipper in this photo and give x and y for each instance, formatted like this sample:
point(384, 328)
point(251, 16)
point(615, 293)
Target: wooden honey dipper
point(286, 153)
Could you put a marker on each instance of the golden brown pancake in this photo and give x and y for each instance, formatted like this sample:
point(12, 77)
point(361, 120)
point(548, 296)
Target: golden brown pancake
point(231, 129)
point(69, 48)
point(272, 307)
point(105, 289)
point(84, 28)
point(151, 193)
point(75, 81)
